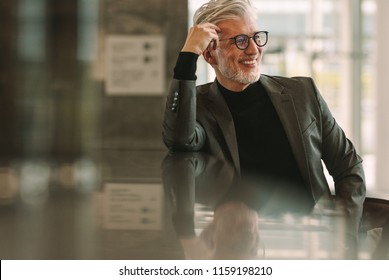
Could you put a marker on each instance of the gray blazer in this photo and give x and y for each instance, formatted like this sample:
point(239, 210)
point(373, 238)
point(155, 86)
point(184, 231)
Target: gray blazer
point(198, 119)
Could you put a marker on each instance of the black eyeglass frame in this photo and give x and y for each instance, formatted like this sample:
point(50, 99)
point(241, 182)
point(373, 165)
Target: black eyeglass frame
point(248, 39)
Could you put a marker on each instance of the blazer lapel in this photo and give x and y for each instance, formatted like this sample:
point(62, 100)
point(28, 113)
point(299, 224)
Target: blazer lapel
point(284, 106)
point(219, 109)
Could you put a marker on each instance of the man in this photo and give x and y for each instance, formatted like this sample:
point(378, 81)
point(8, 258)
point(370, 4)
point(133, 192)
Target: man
point(265, 125)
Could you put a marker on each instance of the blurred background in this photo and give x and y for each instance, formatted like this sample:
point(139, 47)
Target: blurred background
point(79, 78)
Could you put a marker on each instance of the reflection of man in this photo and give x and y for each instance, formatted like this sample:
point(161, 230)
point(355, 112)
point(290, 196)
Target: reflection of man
point(191, 178)
point(233, 232)
point(265, 125)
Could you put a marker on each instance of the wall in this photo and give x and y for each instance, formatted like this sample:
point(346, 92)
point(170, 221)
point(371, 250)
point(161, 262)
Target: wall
point(53, 101)
point(134, 122)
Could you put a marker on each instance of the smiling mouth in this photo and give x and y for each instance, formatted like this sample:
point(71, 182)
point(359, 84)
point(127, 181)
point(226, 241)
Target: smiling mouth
point(249, 62)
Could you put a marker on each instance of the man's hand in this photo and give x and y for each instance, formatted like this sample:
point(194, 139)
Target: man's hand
point(200, 37)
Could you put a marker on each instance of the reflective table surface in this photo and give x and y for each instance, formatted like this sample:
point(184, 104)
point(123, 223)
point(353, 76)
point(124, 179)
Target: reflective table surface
point(154, 205)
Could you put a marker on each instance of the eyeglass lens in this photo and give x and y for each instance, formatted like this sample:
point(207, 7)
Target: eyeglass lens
point(242, 41)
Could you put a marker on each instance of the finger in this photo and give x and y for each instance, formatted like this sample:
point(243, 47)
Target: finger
point(213, 26)
point(215, 37)
point(210, 27)
point(215, 41)
point(212, 45)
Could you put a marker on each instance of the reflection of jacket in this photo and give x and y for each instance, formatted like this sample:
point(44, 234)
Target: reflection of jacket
point(199, 178)
point(190, 178)
point(198, 119)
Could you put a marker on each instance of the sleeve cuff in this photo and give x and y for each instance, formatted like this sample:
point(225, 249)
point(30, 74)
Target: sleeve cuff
point(186, 66)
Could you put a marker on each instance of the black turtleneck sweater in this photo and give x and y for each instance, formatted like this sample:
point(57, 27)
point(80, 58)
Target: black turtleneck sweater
point(263, 146)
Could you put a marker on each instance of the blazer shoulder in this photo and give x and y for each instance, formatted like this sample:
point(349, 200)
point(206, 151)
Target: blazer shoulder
point(203, 89)
point(297, 86)
point(290, 81)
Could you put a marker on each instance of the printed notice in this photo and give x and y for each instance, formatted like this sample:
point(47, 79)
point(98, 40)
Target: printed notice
point(132, 206)
point(135, 65)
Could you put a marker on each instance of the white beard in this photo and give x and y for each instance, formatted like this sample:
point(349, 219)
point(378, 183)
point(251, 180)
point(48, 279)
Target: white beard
point(236, 75)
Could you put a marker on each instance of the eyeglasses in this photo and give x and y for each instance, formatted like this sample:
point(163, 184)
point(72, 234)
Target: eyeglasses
point(242, 40)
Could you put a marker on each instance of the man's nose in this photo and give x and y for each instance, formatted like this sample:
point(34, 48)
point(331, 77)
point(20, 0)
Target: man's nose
point(252, 47)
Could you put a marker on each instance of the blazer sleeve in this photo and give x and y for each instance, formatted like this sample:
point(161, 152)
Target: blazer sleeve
point(180, 130)
point(344, 165)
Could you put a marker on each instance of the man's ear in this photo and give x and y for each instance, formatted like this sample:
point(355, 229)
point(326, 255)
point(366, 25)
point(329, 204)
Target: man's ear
point(208, 56)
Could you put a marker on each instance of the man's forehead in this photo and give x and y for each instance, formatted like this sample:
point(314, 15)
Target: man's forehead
point(236, 26)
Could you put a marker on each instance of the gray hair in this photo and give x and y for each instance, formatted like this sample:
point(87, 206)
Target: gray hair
point(215, 11)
